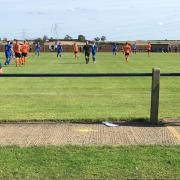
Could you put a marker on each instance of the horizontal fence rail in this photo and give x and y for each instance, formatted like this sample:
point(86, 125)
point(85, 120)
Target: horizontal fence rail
point(92, 75)
point(155, 90)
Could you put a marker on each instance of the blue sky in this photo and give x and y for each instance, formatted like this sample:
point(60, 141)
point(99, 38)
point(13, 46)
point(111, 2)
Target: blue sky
point(116, 19)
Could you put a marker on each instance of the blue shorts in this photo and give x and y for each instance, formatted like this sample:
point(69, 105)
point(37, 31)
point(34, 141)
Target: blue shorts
point(94, 55)
point(8, 54)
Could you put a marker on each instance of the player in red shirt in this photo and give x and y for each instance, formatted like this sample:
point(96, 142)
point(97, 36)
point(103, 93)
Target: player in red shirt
point(75, 50)
point(1, 70)
point(24, 50)
point(17, 52)
point(127, 51)
point(149, 47)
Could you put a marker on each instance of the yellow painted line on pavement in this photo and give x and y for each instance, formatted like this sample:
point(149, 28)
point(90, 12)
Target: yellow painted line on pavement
point(86, 130)
point(174, 132)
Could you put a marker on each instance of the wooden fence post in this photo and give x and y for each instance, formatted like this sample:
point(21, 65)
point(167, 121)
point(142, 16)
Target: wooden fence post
point(155, 96)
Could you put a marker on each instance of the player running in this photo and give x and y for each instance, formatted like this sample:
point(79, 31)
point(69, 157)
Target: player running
point(94, 51)
point(127, 51)
point(87, 50)
point(17, 51)
point(114, 49)
point(75, 50)
point(8, 52)
point(1, 69)
point(134, 48)
point(149, 47)
point(59, 50)
point(24, 50)
point(37, 49)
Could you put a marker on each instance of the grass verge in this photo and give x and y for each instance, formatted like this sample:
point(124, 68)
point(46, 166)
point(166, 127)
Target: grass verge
point(93, 162)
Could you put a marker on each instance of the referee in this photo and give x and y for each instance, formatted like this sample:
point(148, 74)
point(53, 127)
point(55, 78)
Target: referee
point(87, 51)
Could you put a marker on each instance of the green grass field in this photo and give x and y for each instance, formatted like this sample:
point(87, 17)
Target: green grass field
point(88, 99)
point(88, 163)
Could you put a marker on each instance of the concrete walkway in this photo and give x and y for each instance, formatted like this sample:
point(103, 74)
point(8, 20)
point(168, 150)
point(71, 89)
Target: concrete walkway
point(87, 134)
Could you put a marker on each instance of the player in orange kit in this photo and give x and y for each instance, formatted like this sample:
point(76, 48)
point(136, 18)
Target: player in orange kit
point(17, 52)
point(1, 70)
point(149, 47)
point(24, 50)
point(75, 50)
point(127, 51)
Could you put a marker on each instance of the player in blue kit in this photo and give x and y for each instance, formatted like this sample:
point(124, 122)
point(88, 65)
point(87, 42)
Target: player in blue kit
point(114, 49)
point(8, 53)
point(59, 50)
point(134, 48)
point(37, 49)
point(94, 52)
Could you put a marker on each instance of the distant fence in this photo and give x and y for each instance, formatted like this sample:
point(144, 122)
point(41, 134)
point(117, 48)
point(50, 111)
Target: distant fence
point(103, 48)
point(154, 112)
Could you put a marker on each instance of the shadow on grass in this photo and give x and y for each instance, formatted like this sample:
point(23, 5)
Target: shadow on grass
point(136, 122)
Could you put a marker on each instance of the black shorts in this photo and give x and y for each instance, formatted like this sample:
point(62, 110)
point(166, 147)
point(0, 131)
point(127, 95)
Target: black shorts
point(17, 55)
point(126, 54)
point(24, 54)
point(87, 54)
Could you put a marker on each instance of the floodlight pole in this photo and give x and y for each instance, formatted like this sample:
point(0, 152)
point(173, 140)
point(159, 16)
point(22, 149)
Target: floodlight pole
point(155, 96)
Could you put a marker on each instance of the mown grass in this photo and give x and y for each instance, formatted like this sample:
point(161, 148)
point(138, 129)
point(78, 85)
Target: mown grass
point(88, 99)
point(87, 163)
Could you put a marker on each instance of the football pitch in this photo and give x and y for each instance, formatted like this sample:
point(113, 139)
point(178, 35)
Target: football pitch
point(88, 99)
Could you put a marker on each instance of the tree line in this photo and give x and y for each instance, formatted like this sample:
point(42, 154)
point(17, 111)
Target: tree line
point(81, 38)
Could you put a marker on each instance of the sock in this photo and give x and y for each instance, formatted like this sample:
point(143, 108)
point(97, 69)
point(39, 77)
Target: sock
point(17, 61)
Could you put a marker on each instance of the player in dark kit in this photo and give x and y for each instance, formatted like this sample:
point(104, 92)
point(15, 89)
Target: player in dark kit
point(87, 50)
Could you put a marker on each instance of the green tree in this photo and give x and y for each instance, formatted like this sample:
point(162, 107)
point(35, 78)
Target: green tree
point(97, 39)
point(67, 37)
point(81, 37)
point(45, 38)
point(103, 38)
point(38, 40)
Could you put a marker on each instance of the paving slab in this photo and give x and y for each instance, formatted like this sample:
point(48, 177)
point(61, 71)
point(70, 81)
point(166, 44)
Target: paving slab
point(37, 134)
